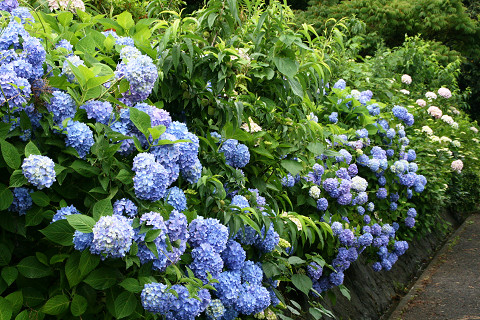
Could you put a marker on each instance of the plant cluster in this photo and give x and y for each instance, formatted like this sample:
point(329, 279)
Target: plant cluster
point(205, 166)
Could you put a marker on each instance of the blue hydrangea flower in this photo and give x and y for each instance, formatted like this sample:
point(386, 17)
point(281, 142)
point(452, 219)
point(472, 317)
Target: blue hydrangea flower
point(399, 112)
point(360, 199)
point(157, 116)
point(209, 231)
point(233, 256)
point(228, 287)
point(39, 171)
point(352, 170)
point(366, 219)
point(125, 207)
point(373, 109)
point(381, 193)
point(8, 5)
point(267, 241)
point(362, 133)
point(251, 273)
point(112, 236)
point(23, 13)
point(236, 154)
point(330, 184)
point(22, 201)
point(340, 84)
point(333, 117)
point(11, 85)
point(100, 111)
point(314, 270)
point(365, 239)
point(62, 106)
point(322, 204)
point(336, 278)
point(410, 222)
point(80, 137)
point(346, 237)
point(215, 310)
point(252, 299)
point(65, 44)
point(206, 260)
point(155, 298)
point(176, 198)
point(82, 241)
point(151, 179)
point(62, 213)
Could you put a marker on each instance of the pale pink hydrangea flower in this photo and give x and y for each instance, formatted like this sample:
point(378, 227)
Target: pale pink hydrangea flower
point(455, 110)
point(445, 93)
point(72, 5)
point(435, 112)
point(406, 92)
point(406, 79)
point(421, 102)
point(431, 95)
point(427, 130)
point(253, 126)
point(457, 165)
point(475, 130)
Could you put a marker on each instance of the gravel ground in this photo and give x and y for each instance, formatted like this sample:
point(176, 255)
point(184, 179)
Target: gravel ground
point(450, 287)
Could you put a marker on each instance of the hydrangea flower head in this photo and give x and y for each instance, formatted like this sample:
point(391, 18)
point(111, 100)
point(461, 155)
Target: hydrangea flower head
point(457, 165)
point(340, 84)
point(112, 236)
point(62, 106)
point(22, 201)
point(236, 154)
point(62, 213)
point(333, 117)
point(406, 79)
point(444, 93)
point(125, 207)
point(322, 204)
point(234, 255)
point(39, 171)
point(151, 178)
point(176, 198)
point(209, 231)
point(100, 111)
point(82, 241)
point(80, 137)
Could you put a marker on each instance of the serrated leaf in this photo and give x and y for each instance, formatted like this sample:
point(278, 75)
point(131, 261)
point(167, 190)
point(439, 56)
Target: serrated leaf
point(102, 278)
point(31, 148)
point(102, 208)
point(59, 232)
point(56, 305)
point(295, 260)
point(10, 154)
point(302, 282)
point(79, 305)
point(71, 269)
point(5, 255)
point(131, 285)
point(152, 234)
point(31, 268)
point(286, 66)
point(16, 300)
point(17, 179)
point(141, 120)
point(293, 167)
point(125, 304)
point(40, 198)
point(5, 309)
point(6, 197)
point(81, 222)
point(316, 148)
point(9, 274)
point(87, 263)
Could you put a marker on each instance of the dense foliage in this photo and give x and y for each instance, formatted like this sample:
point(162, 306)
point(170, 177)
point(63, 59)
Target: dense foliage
point(213, 166)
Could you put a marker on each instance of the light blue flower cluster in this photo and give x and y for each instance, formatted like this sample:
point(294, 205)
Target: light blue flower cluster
point(39, 171)
point(8, 5)
point(333, 117)
point(206, 260)
point(140, 72)
point(23, 13)
point(112, 237)
point(155, 220)
point(100, 111)
point(236, 154)
point(209, 231)
point(80, 137)
point(22, 201)
point(62, 106)
point(402, 114)
point(215, 310)
point(176, 198)
point(151, 179)
point(159, 299)
point(125, 207)
point(62, 213)
point(65, 44)
point(234, 255)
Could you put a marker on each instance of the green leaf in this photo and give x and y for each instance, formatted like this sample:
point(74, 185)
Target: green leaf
point(152, 234)
point(125, 20)
point(6, 197)
point(84, 168)
point(141, 120)
point(295, 260)
point(87, 263)
point(131, 285)
point(71, 269)
point(31, 268)
point(102, 278)
point(79, 305)
point(81, 222)
point(17, 179)
point(59, 232)
point(10, 154)
point(35, 217)
point(102, 208)
point(345, 292)
point(65, 18)
point(124, 176)
point(5, 309)
point(125, 304)
point(302, 282)
point(40, 198)
point(56, 305)
point(9, 274)
point(157, 131)
point(316, 148)
point(97, 81)
point(16, 300)
point(31, 148)
point(286, 66)
point(293, 167)
point(4, 129)
point(5, 255)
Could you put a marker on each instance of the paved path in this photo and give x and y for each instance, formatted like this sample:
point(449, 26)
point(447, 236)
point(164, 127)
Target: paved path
point(450, 286)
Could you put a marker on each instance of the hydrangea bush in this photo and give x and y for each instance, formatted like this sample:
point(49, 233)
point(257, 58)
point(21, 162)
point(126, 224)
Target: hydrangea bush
point(182, 169)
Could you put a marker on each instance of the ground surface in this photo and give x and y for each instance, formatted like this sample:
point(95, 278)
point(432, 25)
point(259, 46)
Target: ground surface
point(450, 286)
